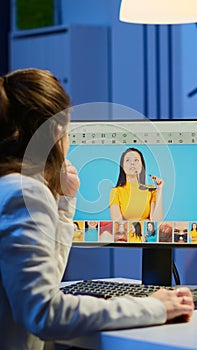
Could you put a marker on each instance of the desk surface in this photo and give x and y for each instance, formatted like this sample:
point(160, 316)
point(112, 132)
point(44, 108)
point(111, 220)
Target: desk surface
point(169, 336)
point(165, 337)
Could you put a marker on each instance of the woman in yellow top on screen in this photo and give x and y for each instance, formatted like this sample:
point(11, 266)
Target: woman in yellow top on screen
point(132, 199)
point(135, 232)
point(193, 233)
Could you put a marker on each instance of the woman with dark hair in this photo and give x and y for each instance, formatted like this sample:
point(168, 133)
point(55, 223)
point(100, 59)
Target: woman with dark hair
point(135, 232)
point(38, 188)
point(78, 232)
point(193, 233)
point(132, 199)
point(91, 231)
point(150, 235)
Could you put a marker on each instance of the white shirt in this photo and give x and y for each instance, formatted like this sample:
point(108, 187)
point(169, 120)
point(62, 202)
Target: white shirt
point(35, 239)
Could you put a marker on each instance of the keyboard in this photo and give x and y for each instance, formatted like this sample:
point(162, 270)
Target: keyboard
point(107, 289)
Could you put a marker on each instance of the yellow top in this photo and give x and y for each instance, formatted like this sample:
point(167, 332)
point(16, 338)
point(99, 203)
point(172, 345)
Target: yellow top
point(134, 203)
point(133, 238)
point(78, 236)
point(193, 235)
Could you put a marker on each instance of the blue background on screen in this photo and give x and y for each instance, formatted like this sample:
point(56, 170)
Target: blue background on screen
point(98, 169)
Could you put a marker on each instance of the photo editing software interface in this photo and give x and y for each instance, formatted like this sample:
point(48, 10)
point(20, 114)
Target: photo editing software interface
point(137, 182)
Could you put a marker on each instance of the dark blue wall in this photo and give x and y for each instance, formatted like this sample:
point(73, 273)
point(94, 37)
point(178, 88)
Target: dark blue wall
point(4, 29)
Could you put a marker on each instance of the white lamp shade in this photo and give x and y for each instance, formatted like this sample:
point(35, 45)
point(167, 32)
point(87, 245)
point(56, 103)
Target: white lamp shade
point(158, 11)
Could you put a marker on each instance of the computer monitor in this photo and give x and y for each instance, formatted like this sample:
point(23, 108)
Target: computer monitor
point(153, 204)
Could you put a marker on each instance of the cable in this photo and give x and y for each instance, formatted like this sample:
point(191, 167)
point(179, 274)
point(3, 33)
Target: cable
point(175, 274)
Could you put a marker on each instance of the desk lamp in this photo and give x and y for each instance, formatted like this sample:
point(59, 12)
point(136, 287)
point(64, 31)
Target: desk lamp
point(158, 11)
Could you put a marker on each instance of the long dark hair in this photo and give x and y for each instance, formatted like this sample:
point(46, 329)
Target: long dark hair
point(153, 232)
point(193, 223)
point(29, 98)
point(138, 230)
point(122, 176)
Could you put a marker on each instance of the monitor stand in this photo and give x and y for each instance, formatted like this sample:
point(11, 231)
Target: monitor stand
point(157, 266)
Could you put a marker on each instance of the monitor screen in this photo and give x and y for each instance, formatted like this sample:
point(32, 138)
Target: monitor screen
point(137, 186)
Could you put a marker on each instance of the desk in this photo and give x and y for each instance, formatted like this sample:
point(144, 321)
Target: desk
point(163, 337)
